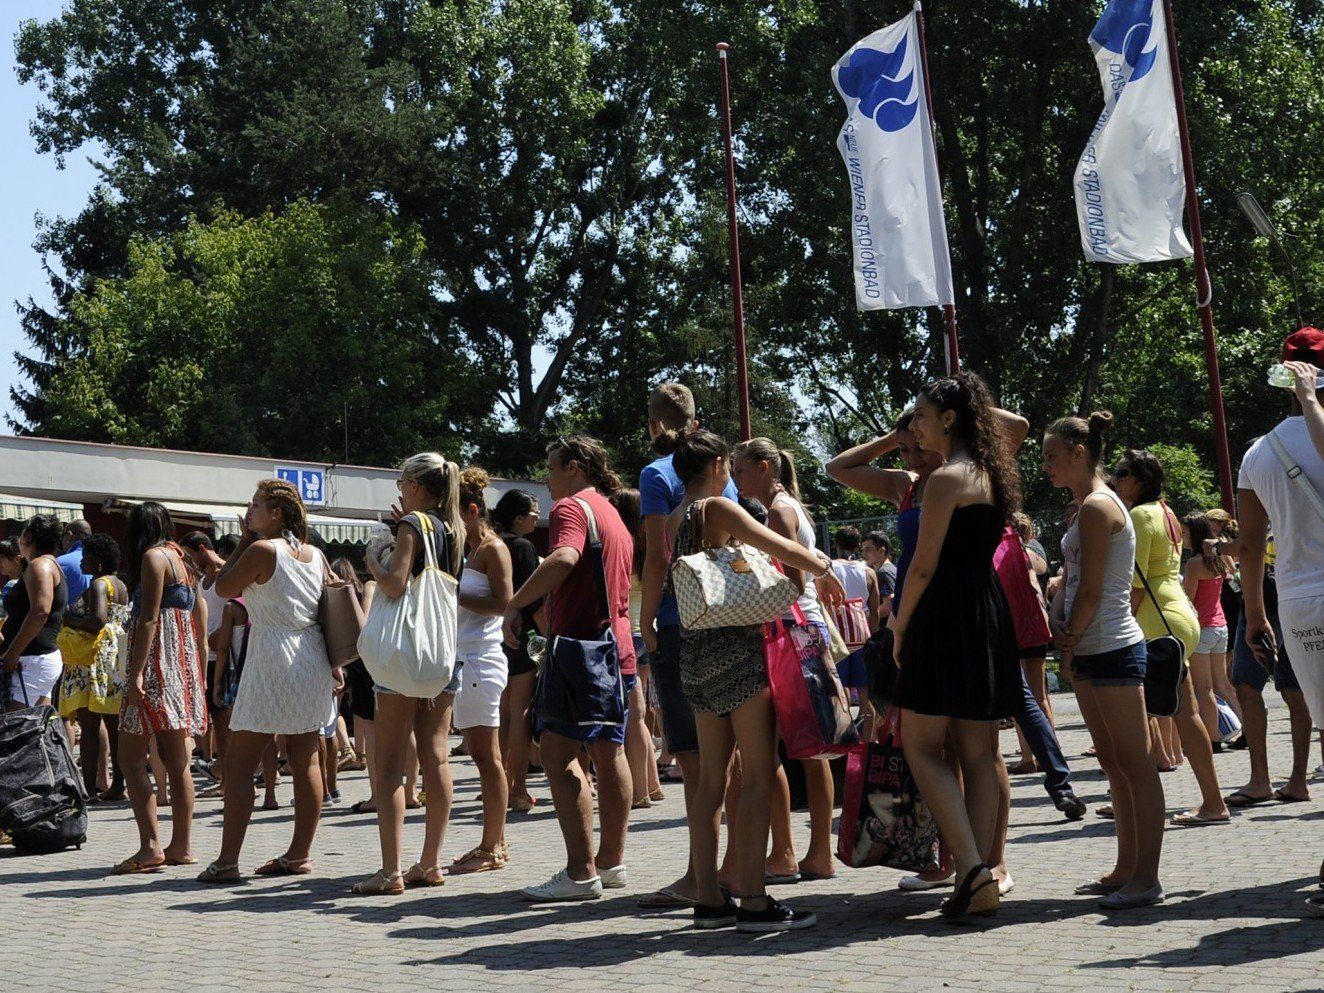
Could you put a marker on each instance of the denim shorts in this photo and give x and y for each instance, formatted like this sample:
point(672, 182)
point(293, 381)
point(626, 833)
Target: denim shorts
point(589, 733)
point(1120, 667)
point(677, 714)
point(1213, 641)
point(1247, 672)
point(452, 687)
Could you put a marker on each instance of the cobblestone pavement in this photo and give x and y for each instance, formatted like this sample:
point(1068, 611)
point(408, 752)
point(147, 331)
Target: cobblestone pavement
point(1233, 919)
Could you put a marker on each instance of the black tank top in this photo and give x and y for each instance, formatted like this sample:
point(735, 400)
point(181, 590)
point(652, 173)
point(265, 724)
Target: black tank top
point(17, 607)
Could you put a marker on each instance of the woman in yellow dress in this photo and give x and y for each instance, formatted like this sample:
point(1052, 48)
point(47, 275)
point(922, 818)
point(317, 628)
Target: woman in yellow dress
point(1138, 479)
point(91, 687)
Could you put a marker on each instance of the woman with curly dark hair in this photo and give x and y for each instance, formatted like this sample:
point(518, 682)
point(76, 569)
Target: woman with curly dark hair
point(955, 641)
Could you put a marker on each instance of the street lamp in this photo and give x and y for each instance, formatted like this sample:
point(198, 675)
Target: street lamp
point(1265, 228)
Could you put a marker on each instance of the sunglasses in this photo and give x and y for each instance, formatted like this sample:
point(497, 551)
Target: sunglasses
point(1121, 474)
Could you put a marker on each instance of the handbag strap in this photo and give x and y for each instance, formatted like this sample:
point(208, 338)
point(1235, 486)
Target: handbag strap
point(1153, 599)
point(427, 529)
point(1296, 473)
point(593, 547)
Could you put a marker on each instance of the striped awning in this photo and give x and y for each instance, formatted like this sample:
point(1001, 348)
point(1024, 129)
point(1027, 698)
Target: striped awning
point(17, 508)
point(223, 519)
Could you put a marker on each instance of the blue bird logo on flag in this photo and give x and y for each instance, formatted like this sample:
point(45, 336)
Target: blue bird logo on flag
point(871, 77)
point(1125, 29)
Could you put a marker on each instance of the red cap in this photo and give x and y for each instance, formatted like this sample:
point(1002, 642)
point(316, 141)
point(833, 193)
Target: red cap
point(1306, 345)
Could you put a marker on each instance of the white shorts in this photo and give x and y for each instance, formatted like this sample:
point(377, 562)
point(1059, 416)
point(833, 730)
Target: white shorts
point(1303, 632)
point(1213, 641)
point(38, 675)
point(482, 681)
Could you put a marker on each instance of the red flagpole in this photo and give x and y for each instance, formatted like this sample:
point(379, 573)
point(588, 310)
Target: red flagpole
point(1205, 292)
point(733, 227)
point(948, 309)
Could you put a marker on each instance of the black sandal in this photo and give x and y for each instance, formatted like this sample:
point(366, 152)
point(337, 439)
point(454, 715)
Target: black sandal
point(971, 899)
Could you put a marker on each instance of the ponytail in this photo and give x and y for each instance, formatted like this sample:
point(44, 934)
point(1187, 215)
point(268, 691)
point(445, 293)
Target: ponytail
point(592, 458)
point(789, 479)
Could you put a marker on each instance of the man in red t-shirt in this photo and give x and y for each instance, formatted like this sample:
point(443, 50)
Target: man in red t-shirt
point(577, 470)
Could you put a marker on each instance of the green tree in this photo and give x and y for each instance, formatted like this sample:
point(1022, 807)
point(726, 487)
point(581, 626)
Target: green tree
point(306, 334)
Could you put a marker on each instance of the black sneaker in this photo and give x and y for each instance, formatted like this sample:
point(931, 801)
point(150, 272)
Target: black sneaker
point(773, 917)
point(709, 918)
point(1070, 805)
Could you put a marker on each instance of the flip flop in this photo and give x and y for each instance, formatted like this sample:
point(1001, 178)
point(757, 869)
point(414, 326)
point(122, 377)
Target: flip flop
point(1282, 796)
point(216, 873)
point(361, 807)
point(1243, 799)
point(132, 867)
point(772, 879)
point(670, 774)
point(1197, 820)
point(664, 899)
point(186, 860)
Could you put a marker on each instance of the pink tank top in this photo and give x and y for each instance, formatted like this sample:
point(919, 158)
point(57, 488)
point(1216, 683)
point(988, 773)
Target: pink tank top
point(1209, 603)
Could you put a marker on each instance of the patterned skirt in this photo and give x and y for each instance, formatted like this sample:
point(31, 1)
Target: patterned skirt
point(174, 689)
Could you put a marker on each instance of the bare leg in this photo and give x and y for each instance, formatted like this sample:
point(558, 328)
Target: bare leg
point(519, 737)
point(159, 774)
point(819, 789)
point(570, 797)
point(411, 772)
point(925, 740)
point(133, 758)
point(112, 725)
point(368, 730)
point(614, 790)
point(89, 748)
point(1195, 743)
point(1222, 684)
point(754, 724)
point(728, 874)
point(638, 743)
point(270, 774)
point(245, 751)
point(432, 728)
point(1203, 677)
point(482, 745)
point(1255, 728)
point(393, 729)
point(716, 741)
point(781, 861)
point(1298, 784)
point(303, 750)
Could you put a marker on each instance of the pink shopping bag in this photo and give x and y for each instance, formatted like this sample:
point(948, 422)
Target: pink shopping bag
point(813, 711)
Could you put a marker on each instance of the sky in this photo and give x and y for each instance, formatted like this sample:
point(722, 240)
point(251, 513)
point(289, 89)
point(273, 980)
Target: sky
point(30, 184)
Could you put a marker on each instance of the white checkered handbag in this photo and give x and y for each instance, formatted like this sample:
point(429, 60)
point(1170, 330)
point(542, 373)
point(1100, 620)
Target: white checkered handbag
point(731, 586)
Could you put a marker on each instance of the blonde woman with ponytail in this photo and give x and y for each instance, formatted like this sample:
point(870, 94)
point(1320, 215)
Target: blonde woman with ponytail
point(766, 473)
point(429, 487)
point(485, 591)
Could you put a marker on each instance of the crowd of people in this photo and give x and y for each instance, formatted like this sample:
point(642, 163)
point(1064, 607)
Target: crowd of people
point(159, 649)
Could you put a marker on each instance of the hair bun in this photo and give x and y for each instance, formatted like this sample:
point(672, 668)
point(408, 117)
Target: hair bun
point(1101, 422)
point(668, 440)
point(474, 479)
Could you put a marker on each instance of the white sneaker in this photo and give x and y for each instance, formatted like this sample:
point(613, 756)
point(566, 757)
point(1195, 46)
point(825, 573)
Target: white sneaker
point(562, 889)
point(613, 878)
point(914, 884)
point(1006, 884)
point(1319, 772)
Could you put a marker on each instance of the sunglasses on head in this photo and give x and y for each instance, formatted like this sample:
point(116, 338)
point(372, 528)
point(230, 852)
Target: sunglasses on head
point(1121, 474)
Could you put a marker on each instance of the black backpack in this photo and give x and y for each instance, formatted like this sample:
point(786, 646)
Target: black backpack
point(43, 805)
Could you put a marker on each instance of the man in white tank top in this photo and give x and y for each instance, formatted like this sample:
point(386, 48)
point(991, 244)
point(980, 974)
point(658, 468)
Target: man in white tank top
point(857, 578)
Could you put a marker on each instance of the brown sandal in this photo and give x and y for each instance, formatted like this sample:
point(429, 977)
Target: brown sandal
point(132, 867)
point(420, 875)
point(477, 860)
point(281, 866)
point(380, 884)
point(216, 872)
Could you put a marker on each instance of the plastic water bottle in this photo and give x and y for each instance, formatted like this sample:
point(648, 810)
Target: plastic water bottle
point(1284, 378)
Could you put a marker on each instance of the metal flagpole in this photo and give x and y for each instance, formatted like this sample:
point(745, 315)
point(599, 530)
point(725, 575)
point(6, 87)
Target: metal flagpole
point(733, 227)
point(948, 309)
point(1205, 294)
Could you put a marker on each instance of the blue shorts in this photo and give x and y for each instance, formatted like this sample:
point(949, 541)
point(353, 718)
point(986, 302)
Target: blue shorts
point(677, 714)
point(588, 733)
point(1120, 667)
point(1247, 672)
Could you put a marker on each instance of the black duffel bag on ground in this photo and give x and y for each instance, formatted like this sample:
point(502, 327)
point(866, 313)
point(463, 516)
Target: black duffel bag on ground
point(43, 806)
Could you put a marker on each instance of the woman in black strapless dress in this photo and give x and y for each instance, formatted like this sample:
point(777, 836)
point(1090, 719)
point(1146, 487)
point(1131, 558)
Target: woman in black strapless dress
point(955, 642)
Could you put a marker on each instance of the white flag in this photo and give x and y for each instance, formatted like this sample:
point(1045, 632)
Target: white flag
point(1130, 189)
point(898, 232)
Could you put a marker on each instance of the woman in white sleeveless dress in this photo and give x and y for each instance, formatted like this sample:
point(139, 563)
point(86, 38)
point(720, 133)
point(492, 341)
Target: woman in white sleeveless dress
point(765, 473)
point(486, 586)
point(287, 685)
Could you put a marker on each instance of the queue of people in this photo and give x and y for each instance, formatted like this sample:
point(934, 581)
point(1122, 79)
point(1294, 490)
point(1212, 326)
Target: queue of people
point(159, 645)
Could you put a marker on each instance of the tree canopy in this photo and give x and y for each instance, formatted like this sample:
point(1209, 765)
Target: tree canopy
point(475, 223)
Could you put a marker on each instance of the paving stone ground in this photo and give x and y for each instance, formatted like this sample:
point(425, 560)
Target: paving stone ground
point(1232, 922)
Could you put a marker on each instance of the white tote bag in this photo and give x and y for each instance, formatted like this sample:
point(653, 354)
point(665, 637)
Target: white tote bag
point(409, 644)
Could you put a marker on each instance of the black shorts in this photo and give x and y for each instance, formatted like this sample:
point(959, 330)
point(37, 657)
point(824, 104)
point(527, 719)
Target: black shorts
point(1034, 652)
point(359, 691)
point(518, 662)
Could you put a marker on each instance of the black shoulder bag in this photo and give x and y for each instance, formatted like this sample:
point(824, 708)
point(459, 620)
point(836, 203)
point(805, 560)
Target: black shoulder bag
point(1165, 666)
